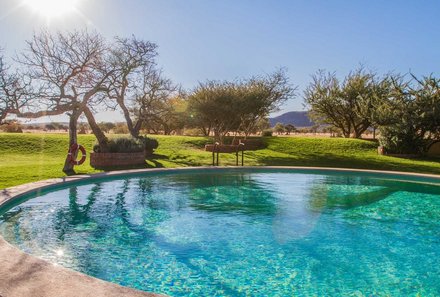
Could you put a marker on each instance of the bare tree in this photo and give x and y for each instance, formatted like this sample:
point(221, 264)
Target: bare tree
point(138, 87)
point(69, 70)
point(154, 101)
point(13, 95)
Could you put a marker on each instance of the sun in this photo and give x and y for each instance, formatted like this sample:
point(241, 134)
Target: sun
point(52, 8)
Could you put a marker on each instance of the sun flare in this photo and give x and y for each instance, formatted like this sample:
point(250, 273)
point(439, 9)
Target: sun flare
point(52, 8)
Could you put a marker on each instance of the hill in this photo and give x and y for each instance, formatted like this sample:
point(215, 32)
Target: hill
point(299, 119)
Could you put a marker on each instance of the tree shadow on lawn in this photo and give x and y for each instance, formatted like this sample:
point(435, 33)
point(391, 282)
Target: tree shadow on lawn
point(330, 160)
point(150, 162)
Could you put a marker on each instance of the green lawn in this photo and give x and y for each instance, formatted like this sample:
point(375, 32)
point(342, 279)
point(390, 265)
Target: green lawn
point(30, 157)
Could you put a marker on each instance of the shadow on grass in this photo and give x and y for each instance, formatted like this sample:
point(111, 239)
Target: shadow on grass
point(330, 160)
point(150, 162)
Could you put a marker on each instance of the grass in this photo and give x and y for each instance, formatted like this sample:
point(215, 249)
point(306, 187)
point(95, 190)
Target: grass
point(31, 157)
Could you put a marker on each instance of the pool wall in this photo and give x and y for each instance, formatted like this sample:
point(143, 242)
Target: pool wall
point(24, 275)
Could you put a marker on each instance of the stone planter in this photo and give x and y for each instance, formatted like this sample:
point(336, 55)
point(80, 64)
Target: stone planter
point(104, 160)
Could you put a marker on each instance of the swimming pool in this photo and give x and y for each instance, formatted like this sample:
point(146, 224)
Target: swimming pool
point(259, 232)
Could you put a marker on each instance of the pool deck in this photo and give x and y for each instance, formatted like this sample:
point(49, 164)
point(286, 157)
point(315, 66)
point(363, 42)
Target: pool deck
point(23, 275)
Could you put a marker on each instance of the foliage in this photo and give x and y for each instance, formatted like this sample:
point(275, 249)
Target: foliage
point(237, 106)
point(267, 133)
point(49, 127)
point(410, 117)
point(168, 116)
point(279, 128)
point(290, 128)
point(106, 127)
point(11, 127)
point(120, 128)
point(150, 144)
point(122, 145)
point(262, 124)
point(346, 105)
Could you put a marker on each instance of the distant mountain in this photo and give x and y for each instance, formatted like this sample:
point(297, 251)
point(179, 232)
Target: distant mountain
point(299, 119)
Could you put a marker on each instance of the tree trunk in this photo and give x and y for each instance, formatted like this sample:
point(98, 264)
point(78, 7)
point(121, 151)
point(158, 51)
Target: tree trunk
point(217, 136)
point(136, 128)
point(134, 131)
point(100, 136)
point(73, 138)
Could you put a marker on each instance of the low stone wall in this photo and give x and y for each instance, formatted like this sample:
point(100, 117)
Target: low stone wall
point(103, 160)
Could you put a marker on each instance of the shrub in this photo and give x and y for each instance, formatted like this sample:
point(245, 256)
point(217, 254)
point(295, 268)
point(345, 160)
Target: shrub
point(121, 128)
point(192, 132)
point(12, 127)
point(266, 133)
point(150, 144)
point(401, 139)
point(122, 145)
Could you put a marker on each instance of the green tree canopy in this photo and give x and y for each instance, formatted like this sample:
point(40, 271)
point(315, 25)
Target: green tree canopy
point(237, 106)
point(346, 105)
point(409, 117)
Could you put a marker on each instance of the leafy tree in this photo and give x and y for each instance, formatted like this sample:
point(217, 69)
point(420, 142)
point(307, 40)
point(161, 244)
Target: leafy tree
point(237, 106)
point(212, 107)
point(262, 124)
point(290, 128)
point(49, 127)
point(346, 105)
point(279, 128)
point(410, 117)
point(261, 96)
point(11, 127)
point(121, 128)
point(266, 133)
point(167, 118)
point(106, 126)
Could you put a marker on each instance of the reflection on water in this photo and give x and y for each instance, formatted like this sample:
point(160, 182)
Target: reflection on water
point(241, 234)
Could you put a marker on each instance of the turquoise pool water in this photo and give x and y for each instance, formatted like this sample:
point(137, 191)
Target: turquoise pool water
point(241, 233)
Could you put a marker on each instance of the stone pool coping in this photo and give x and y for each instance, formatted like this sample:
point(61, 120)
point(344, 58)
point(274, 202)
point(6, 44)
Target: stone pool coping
point(23, 275)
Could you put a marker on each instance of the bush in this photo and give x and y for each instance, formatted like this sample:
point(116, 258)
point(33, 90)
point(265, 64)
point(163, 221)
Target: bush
point(12, 127)
point(192, 132)
point(123, 145)
point(150, 144)
point(266, 133)
point(120, 128)
point(401, 139)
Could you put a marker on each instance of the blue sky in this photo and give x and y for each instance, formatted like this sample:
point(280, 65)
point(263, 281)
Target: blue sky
point(201, 40)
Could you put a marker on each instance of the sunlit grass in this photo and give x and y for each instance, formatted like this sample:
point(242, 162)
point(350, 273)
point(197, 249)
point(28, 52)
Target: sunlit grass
point(31, 157)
